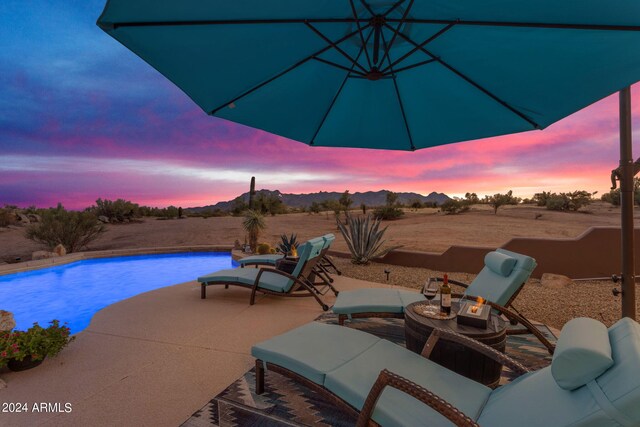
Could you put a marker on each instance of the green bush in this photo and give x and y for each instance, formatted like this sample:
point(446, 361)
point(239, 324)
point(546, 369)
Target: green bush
point(117, 211)
point(73, 230)
point(498, 200)
point(454, 206)
point(568, 201)
point(7, 217)
point(388, 213)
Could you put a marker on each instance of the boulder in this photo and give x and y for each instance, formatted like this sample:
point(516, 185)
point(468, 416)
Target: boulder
point(60, 250)
point(23, 218)
point(7, 322)
point(34, 217)
point(555, 281)
point(103, 219)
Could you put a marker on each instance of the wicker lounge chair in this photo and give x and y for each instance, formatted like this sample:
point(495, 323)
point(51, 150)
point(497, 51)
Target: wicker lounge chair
point(271, 281)
point(499, 282)
point(593, 379)
point(321, 271)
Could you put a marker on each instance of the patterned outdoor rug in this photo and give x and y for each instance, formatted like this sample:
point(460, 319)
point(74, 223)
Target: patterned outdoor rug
point(287, 403)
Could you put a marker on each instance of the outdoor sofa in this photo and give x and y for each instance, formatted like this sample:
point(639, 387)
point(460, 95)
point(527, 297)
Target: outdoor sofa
point(272, 281)
point(593, 379)
point(499, 282)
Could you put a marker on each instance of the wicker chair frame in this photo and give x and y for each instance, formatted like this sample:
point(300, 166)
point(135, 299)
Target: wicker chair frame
point(387, 378)
point(301, 287)
point(508, 311)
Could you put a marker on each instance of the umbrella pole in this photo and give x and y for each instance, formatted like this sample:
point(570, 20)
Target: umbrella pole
point(626, 207)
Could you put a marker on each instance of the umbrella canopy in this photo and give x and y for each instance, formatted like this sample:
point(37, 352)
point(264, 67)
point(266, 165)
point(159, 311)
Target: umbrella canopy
point(395, 74)
point(399, 75)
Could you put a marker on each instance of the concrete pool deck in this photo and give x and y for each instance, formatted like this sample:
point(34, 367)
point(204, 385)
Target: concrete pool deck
point(156, 358)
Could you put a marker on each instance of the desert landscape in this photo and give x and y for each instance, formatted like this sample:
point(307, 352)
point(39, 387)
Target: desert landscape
point(423, 230)
point(426, 230)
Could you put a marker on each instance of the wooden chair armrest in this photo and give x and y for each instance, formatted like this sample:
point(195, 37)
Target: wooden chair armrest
point(511, 315)
point(490, 352)
point(389, 379)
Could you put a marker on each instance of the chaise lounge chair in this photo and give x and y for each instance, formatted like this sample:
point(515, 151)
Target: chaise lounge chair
point(323, 267)
point(593, 379)
point(271, 281)
point(499, 282)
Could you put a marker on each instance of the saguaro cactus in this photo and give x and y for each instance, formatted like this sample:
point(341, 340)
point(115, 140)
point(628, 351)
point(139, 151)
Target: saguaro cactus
point(252, 191)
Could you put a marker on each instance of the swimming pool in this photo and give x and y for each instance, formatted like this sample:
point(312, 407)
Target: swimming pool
point(74, 292)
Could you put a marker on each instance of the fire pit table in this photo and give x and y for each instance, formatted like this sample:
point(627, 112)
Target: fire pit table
point(454, 356)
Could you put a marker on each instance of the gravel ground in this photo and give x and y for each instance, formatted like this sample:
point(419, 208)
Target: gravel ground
point(553, 307)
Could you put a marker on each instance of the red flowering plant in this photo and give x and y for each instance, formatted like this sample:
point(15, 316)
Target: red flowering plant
point(36, 342)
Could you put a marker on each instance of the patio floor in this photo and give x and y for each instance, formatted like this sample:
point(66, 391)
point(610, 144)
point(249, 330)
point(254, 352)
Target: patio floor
point(156, 358)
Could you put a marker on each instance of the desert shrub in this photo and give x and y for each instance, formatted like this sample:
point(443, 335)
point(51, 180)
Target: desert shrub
point(540, 199)
point(498, 200)
point(117, 211)
point(269, 204)
point(415, 205)
point(388, 213)
point(315, 207)
point(569, 201)
point(364, 238)
point(345, 201)
point(613, 196)
point(253, 223)
point(471, 198)
point(7, 217)
point(73, 230)
point(454, 206)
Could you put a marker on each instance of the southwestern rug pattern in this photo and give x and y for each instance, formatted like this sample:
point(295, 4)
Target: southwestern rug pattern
point(287, 403)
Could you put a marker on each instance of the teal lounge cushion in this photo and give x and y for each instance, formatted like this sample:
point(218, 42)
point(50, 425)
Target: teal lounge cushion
point(353, 380)
point(582, 354)
point(234, 275)
point(314, 349)
point(376, 300)
point(500, 263)
point(261, 259)
point(408, 297)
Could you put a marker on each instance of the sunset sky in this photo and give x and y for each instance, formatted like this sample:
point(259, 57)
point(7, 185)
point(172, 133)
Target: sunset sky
point(81, 117)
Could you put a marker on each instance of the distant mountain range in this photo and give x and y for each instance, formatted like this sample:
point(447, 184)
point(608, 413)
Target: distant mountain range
point(369, 198)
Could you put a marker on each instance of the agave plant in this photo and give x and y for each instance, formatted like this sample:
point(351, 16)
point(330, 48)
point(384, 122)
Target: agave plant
point(288, 242)
point(253, 223)
point(364, 238)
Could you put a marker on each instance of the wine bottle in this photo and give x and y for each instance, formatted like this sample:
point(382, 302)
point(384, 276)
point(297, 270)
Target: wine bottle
point(445, 296)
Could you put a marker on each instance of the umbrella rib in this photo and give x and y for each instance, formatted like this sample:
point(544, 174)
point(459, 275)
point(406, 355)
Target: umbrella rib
point(417, 47)
point(342, 67)
point(333, 101)
point(294, 66)
point(355, 15)
point(417, 64)
point(474, 84)
point(116, 25)
point(392, 8)
point(551, 25)
point(366, 5)
point(335, 46)
point(397, 29)
point(404, 116)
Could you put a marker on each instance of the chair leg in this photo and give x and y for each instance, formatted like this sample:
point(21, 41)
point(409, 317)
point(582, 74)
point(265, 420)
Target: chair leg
point(259, 377)
point(203, 291)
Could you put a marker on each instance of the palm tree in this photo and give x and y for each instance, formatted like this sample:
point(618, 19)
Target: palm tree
point(253, 223)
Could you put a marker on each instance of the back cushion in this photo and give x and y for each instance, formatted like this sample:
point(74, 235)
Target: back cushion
point(582, 354)
point(500, 263)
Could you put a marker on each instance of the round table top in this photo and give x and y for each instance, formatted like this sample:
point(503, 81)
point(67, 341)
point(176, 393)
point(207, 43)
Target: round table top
point(495, 325)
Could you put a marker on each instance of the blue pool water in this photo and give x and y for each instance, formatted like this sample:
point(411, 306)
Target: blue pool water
point(74, 292)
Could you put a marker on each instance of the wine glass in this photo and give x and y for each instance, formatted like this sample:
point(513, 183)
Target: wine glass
point(430, 290)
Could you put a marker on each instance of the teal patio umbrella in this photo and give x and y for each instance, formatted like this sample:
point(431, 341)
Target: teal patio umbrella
point(387, 74)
